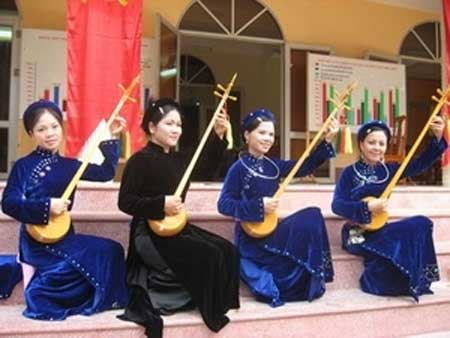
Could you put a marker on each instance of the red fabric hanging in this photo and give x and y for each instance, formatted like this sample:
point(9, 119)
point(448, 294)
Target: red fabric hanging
point(104, 50)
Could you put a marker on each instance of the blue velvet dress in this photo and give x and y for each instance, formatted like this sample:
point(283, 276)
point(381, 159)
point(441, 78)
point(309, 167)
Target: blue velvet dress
point(399, 259)
point(10, 275)
point(79, 274)
point(294, 262)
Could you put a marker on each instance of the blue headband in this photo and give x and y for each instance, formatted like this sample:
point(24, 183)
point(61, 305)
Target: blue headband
point(369, 127)
point(42, 104)
point(261, 114)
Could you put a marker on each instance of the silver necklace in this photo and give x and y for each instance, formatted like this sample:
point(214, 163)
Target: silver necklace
point(372, 178)
point(257, 174)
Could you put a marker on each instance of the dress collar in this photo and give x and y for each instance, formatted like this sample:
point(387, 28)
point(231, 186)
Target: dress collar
point(366, 173)
point(255, 166)
point(363, 165)
point(156, 147)
point(45, 152)
point(251, 159)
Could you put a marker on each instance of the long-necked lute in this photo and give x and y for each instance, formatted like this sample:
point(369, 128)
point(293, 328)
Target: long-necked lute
point(380, 219)
point(173, 224)
point(59, 225)
point(268, 225)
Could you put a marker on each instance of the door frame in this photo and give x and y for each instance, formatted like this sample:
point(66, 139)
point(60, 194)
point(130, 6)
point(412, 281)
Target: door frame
point(160, 20)
point(14, 91)
point(297, 135)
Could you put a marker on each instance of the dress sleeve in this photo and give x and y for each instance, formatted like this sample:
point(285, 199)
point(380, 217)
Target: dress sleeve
point(323, 152)
point(104, 172)
point(16, 204)
point(232, 201)
point(344, 206)
point(425, 160)
point(131, 198)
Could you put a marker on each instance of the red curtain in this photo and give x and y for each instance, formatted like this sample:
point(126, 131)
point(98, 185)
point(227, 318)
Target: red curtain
point(104, 50)
point(446, 15)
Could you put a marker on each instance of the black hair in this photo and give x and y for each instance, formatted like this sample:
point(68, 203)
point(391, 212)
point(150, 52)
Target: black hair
point(31, 119)
point(156, 110)
point(370, 130)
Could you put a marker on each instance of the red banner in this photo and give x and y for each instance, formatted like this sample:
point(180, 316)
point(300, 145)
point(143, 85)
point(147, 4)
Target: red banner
point(104, 51)
point(446, 15)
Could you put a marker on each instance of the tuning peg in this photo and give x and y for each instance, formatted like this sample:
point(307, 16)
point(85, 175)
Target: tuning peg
point(440, 92)
point(334, 101)
point(218, 94)
point(232, 98)
point(132, 99)
point(125, 90)
point(220, 87)
point(434, 98)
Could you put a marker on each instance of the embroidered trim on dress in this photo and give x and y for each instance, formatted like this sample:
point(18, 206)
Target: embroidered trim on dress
point(372, 178)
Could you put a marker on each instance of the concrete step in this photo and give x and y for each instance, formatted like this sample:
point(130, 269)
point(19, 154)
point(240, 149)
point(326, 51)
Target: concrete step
point(348, 269)
point(345, 313)
point(96, 204)
point(114, 224)
point(92, 196)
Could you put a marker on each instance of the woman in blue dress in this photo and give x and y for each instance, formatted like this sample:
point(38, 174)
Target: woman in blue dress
point(399, 258)
point(294, 262)
point(79, 274)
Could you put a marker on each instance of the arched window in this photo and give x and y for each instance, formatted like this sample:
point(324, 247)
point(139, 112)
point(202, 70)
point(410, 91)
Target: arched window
point(233, 18)
point(421, 51)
